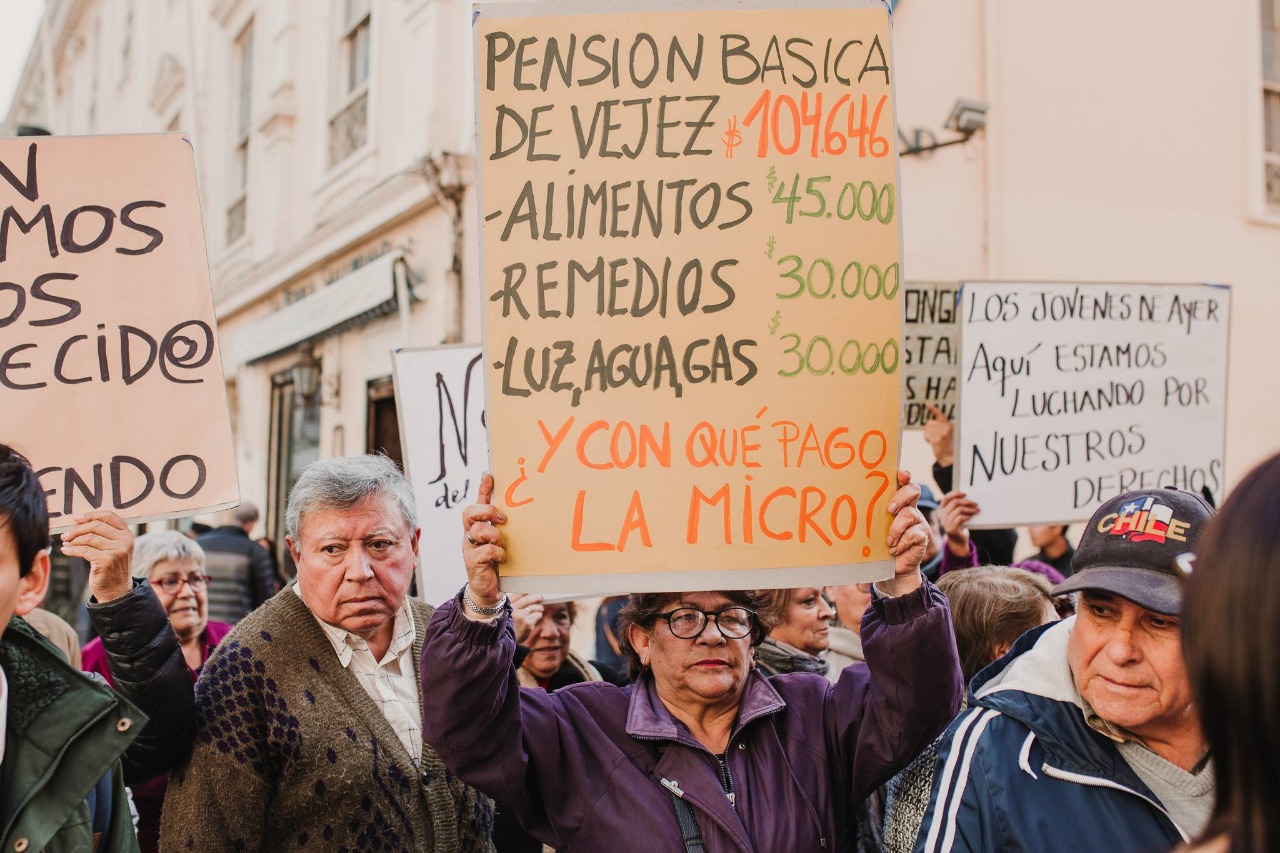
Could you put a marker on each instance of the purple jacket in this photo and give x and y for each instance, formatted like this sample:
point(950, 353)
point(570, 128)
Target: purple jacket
point(951, 563)
point(582, 768)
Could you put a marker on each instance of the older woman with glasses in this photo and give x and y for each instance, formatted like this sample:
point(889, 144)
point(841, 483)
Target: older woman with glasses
point(174, 564)
point(701, 752)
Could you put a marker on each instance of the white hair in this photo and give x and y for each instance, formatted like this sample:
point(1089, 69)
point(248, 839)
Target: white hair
point(152, 548)
point(344, 482)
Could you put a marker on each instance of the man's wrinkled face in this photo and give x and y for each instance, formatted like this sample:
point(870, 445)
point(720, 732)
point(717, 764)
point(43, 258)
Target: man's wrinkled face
point(355, 565)
point(1127, 664)
point(851, 601)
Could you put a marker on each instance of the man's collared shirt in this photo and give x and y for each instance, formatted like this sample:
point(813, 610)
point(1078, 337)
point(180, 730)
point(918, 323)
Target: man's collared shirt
point(390, 682)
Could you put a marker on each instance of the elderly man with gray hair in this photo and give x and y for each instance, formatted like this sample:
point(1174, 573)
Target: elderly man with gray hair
point(309, 731)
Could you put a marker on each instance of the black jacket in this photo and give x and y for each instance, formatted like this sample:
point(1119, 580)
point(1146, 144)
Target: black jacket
point(150, 672)
point(241, 574)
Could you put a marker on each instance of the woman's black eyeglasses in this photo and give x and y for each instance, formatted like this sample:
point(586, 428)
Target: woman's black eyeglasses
point(688, 622)
point(172, 583)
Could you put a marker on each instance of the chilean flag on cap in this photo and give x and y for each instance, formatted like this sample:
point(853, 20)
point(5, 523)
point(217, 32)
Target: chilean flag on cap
point(1143, 521)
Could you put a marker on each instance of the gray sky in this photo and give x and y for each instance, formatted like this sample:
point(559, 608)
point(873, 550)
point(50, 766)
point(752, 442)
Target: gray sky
point(21, 19)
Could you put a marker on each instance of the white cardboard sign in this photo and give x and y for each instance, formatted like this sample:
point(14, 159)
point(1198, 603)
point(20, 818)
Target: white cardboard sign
point(930, 347)
point(440, 403)
point(1075, 393)
point(110, 370)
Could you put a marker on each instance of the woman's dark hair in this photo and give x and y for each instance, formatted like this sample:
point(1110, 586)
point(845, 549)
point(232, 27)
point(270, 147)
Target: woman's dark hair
point(22, 507)
point(991, 606)
point(643, 608)
point(1231, 644)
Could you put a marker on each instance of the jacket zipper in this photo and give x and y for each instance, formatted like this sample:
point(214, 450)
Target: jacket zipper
point(1068, 776)
point(722, 761)
point(726, 776)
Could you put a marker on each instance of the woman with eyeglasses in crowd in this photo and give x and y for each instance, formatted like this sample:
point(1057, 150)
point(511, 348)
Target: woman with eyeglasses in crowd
point(702, 752)
point(174, 564)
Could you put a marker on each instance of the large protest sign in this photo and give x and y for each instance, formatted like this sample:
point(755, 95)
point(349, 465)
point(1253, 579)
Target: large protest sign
point(110, 376)
point(440, 403)
point(930, 346)
point(1075, 393)
point(691, 262)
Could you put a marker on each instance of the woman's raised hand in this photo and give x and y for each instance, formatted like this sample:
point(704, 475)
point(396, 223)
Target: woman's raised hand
point(483, 548)
point(526, 615)
point(908, 537)
point(102, 538)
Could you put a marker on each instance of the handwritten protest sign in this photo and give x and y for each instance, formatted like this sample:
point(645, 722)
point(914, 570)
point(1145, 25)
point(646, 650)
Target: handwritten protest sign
point(930, 345)
point(1075, 393)
point(440, 403)
point(110, 375)
point(691, 259)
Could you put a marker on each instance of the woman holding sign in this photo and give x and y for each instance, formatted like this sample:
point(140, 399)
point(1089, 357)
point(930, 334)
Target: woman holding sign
point(702, 752)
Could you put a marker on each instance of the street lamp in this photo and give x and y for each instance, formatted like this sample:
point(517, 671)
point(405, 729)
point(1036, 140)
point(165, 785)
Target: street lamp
point(966, 118)
point(305, 375)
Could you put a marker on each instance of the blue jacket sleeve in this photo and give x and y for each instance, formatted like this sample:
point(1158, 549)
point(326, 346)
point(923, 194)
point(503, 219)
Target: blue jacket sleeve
point(962, 812)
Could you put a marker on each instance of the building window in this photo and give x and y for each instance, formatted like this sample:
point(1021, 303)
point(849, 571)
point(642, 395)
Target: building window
point(237, 210)
point(349, 127)
point(295, 444)
point(1271, 99)
point(383, 427)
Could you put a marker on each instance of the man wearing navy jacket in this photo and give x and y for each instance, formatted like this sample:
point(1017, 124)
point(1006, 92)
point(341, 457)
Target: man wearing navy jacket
point(1084, 736)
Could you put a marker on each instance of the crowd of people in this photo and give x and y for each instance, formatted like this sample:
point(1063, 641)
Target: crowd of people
point(1115, 694)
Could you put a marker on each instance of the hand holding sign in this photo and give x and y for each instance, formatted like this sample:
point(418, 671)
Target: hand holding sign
point(940, 433)
point(103, 539)
point(908, 537)
point(483, 548)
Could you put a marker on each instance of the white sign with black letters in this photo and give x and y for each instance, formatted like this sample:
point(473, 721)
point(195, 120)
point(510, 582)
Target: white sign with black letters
point(930, 346)
point(440, 403)
point(1074, 393)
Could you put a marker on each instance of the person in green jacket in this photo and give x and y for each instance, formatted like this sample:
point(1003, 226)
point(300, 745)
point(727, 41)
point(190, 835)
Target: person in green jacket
point(61, 735)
